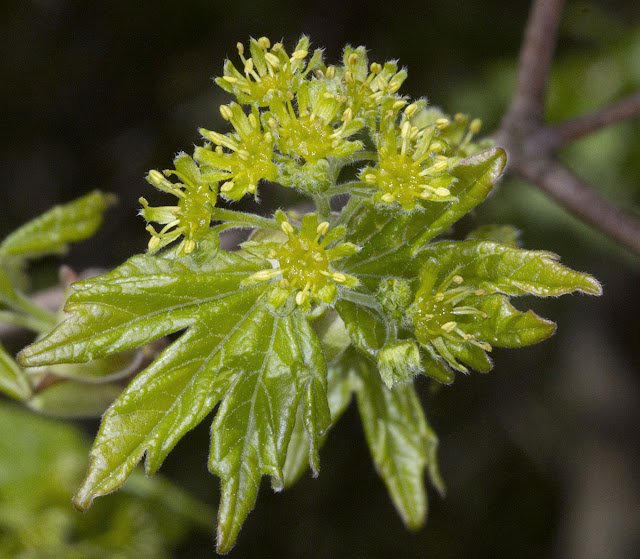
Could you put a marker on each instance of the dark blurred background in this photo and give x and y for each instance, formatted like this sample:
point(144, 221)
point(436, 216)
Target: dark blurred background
point(540, 456)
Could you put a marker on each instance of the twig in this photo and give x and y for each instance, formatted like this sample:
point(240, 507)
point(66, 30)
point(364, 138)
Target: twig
point(583, 201)
point(536, 55)
point(556, 136)
point(531, 144)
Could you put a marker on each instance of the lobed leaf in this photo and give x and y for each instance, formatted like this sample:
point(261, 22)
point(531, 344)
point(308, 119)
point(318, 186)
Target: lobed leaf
point(339, 389)
point(367, 327)
point(253, 426)
point(506, 326)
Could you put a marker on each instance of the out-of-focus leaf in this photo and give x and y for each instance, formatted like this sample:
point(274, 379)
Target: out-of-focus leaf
point(74, 400)
point(13, 381)
point(53, 230)
point(41, 463)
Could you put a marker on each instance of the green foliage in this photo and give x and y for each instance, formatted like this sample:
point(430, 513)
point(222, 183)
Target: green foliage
point(311, 309)
point(41, 462)
point(49, 233)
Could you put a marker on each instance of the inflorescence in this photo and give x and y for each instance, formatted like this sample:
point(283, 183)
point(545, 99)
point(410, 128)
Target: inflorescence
point(299, 122)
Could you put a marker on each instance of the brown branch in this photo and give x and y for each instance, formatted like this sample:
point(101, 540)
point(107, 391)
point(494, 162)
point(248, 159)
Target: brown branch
point(555, 136)
point(583, 201)
point(531, 144)
point(536, 55)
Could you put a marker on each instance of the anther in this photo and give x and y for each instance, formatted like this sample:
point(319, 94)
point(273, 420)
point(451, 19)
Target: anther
point(410, 110)
point(287, 228)
point(475, 126)
point(272, 59)
point(323, 228)
point(226, 112)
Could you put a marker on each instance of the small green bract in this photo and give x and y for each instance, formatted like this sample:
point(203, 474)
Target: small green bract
point(313, 308)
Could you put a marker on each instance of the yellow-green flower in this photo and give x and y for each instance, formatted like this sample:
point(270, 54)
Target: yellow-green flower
point(269, 72)
point(411, 167)
point(320, 128)
point(303, 264)
point(241, 159)
point(442, 314)
point(191, 216)
point(365, 86)
point(456, 134)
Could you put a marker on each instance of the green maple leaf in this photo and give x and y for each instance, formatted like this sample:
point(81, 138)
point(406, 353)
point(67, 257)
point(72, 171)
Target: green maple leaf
point(259, 365)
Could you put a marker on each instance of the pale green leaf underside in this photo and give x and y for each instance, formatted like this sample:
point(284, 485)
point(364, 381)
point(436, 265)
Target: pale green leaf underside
point(51, 231)
point(401, 442)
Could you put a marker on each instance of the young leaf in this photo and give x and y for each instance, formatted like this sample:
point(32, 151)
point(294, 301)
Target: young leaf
point(507, 269)
point(251, 432)
point(506, 326)
point(13, 381)
point(235, 350)
point(366, 326)
point(401, 442)
point(51, 232)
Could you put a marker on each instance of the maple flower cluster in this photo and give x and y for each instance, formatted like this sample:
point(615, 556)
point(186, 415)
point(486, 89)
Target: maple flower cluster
point(299, 122)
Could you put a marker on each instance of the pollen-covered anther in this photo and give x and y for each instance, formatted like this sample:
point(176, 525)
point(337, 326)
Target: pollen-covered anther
point(442, 123)
point(265, 275)
point(226, 112)
point(410, 109)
